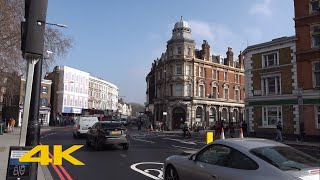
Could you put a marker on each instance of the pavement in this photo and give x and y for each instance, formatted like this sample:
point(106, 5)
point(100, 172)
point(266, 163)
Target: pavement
point(12, 139)
point(202, 135)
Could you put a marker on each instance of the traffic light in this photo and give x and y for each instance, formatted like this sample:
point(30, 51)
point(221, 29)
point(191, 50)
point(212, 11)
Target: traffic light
point(32, 30)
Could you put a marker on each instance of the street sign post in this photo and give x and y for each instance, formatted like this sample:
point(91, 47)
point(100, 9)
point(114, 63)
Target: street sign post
point(18, 170)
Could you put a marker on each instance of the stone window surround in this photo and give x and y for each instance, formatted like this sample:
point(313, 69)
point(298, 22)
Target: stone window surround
point(265, 76)
point(201, 72)
point(237, 88)
point(310, 7)
point(179, 92)
point(179, 70)
point(313, 74)
point(225, 75)
point(226, 87)
point(201, 93)
point(216, 85)
point(188, 71)
point(279, 111)
point(269, 53)
point(312, 34)
point(214, 74)
point(188, 93)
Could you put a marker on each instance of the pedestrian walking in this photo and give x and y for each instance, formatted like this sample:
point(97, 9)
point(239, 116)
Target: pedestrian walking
point(244, 128)
point(279, 132)
point(13, 123)
point(231, 127)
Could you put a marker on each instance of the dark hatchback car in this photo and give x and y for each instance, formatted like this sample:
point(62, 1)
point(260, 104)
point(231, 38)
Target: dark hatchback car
point(107, 133)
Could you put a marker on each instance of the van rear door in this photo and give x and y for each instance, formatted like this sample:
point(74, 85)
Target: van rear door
point(86, 122)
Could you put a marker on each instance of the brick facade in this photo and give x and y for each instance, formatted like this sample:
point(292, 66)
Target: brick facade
point(307, 56)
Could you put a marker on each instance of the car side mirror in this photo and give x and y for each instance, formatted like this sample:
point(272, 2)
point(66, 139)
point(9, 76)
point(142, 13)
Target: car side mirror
point(192, 157)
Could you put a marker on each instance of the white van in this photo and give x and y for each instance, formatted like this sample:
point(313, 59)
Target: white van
point(82, 124)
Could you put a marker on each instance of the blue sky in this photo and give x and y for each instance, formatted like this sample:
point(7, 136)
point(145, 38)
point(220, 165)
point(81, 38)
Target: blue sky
point(118, 40)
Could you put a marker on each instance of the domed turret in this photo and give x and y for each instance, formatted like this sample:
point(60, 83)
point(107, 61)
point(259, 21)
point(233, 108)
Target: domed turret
point(182, 24)
point(181, 32)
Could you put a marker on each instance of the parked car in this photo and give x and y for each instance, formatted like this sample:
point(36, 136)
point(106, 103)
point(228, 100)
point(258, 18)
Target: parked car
point(107, 133)
point(82, 124)
point(247, 158)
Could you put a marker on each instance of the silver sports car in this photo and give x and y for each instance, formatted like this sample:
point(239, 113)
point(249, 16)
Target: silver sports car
point(246, 158)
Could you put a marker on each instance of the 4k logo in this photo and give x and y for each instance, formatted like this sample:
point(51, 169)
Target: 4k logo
point(58, 155)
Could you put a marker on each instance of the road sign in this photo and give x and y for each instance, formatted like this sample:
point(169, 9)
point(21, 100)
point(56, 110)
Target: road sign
point(18, 170)
point(164, 113)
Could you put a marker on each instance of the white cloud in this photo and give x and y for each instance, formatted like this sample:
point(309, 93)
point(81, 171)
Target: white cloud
point(201, 29)
point(263, 7)
point(253, 35)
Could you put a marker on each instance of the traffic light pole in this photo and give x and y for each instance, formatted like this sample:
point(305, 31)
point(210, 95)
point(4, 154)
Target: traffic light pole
point(33, 131)
point(26, 105)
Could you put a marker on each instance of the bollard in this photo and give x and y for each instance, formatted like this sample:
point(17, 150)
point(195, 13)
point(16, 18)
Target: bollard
point(210, 136)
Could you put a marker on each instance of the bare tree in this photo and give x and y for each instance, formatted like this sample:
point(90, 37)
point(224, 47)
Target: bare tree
point(136, 108)
point(11, 15)
point(12, 65)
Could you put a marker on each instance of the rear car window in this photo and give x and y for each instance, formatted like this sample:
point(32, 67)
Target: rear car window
point(112, 125)
point(285, 158)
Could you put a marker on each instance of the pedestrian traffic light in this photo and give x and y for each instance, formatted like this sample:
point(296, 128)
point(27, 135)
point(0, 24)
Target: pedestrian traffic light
point(32, 30)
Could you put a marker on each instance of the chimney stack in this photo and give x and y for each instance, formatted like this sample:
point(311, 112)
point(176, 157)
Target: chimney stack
point(205, 50)
point(240, 60)
point(229, 57)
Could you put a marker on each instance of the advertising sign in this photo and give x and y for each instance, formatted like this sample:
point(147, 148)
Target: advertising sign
point(16, 169)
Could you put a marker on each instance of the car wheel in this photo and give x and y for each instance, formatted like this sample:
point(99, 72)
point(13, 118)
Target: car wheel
point(125, 147)
point(171, 173)
point(97, 146)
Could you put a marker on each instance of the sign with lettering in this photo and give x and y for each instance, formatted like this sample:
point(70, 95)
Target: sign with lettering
point(17, 169)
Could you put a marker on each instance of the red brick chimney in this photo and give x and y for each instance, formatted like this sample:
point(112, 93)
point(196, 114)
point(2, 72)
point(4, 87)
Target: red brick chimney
point(229, 57)
point(205, 50)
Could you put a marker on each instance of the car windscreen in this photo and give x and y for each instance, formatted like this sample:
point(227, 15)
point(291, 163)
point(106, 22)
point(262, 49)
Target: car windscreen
point(112, 126)
point(285, 158)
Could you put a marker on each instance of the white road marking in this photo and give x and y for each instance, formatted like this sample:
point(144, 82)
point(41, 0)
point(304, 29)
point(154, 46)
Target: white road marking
point(123, 155)
point(143, 140)
point(181, 141)
point(134, 167)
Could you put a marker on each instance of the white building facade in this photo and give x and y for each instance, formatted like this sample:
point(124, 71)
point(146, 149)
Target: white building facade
point(72, 91)
point(103, 95)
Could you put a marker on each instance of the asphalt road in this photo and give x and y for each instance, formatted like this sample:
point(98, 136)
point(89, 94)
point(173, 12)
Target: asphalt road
point(145, 156)
point(143, 160)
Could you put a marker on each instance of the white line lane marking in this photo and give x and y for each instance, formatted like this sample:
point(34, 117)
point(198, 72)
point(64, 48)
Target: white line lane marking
point(143, 140)
point(181, 141)
point(133, 167)
point(123, 155)
point(185, 147)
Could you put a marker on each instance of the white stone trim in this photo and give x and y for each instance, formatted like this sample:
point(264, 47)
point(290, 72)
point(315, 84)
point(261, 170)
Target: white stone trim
point(296, 115)
point(251, 119)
